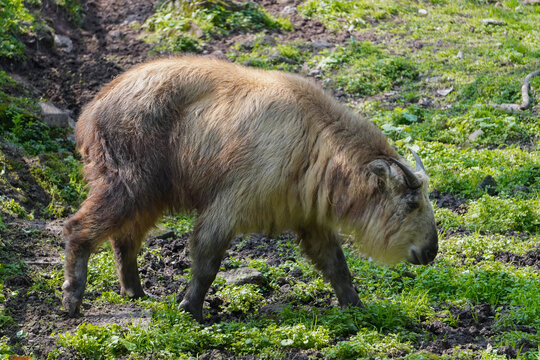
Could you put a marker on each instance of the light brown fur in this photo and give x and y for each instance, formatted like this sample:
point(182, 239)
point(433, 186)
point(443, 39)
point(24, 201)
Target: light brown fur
point(249, 151)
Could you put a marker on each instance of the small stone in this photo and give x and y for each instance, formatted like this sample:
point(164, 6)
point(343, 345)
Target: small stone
point(425, 102)
point(115, 34)
point(161, 232)
point(196, 31)
point(444, 92)
point(288, 11)
point(63, 42)
point(460, 54)
point(321, 44)
point(476, 134)
point(271, 309)
point(243, 275)
point(422, 12)
point(218, 54)
point(53, 116)
point(493, 22)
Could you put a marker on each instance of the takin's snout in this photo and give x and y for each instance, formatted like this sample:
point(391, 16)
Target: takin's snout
point(426, 254)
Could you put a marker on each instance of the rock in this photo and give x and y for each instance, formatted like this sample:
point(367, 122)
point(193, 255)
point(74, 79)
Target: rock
point(288, 11)
point(321, 45)
point(425, 102)
point(115, 35)
point(195, 31)
point(218, 54)
point(276, 58)
point(422, 12)
point(63, 42)
point(53, 116)
point(476, 134)
point(444, 92)
point(243, 275)
point(271, 309)
point(489, 185)
point(493, 22)
point(267, 39)
point(460, 54)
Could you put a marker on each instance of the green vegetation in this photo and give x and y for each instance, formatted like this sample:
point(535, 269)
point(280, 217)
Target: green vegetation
point(264, 52)
point(181, 224)
point(361, 68)
point(15, 19)
point(428, 74)
point(73, 9)
point(184, 26)
point(398, 301)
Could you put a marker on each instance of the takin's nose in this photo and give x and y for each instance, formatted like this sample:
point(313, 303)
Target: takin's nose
point(426, 254)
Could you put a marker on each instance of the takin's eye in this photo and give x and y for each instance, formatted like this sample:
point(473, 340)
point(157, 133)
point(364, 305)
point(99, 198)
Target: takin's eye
point(412, 205)
point(412, 201)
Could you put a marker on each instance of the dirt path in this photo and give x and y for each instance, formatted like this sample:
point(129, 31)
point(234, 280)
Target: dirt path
point(106, 44)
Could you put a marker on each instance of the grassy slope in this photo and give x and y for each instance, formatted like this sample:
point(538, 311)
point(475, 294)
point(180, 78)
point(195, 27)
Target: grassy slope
point(393, 79)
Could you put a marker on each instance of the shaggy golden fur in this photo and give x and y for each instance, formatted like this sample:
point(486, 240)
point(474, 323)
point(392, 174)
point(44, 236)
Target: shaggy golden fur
point(249, 151)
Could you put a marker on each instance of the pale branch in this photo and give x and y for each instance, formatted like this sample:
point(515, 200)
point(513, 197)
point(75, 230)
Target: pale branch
point(525, 90)
point(526, 100)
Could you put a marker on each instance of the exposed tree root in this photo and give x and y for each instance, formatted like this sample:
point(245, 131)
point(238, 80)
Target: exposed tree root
point(526, 100)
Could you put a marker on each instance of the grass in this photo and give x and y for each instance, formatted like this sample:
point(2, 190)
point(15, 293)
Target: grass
point(185, 26)
point(14, 21)
point(392, 76)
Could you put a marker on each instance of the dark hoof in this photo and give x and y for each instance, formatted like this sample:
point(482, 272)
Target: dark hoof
point(72, 299)
point(71, 305)
point(352, 301)
point(133, 294)
point(195, 313)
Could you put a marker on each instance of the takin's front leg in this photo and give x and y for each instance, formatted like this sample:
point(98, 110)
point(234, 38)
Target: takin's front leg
point(208, 244)
point(323, 247)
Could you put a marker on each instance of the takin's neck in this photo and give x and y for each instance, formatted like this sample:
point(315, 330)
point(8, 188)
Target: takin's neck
point(338, 185)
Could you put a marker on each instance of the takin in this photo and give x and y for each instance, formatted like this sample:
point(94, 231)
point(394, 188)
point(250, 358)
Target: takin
point(248, 151)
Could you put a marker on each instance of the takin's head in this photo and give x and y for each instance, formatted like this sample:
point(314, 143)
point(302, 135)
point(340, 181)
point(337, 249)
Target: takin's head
point(397, 223)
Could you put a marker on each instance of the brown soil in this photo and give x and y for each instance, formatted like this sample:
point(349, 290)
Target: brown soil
point(531, 258)
point(473, 325)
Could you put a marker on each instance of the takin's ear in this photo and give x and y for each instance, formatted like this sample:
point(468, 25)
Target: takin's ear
point(388, 174)
point(380, 168)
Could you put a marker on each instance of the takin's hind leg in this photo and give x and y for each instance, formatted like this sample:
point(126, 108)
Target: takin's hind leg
point(323, 247)
point(101, 214)
point(126, 246)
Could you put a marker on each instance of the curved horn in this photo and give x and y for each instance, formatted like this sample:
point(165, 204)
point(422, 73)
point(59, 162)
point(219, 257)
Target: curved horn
point(412, 181)
point(419, 165)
